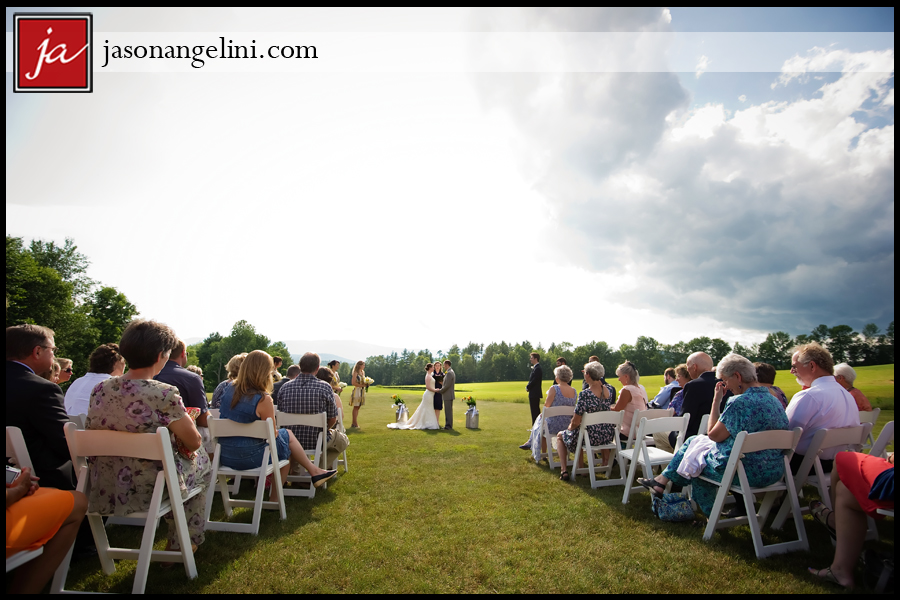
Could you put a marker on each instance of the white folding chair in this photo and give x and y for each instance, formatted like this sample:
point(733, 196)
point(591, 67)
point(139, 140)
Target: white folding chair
point(823, 440)
point(869, 416)
point(341, 460)
point(879, 448)
point(650, 413)
point(18, 452)
point(650, 456)
point(78, 420)
point(584, 444)
point(553, 411)
point(213, 413)
point(704, 425)
point(149, 446)
point(317, 455)
point(744, 444)
point(263, 430)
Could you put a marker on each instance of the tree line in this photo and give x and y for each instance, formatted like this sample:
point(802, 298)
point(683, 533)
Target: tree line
point(510, 362)
point(46, 284)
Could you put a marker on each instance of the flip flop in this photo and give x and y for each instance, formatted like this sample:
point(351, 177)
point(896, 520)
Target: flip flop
point(829, 577)
point(820, 513)
point(652, 484)
point(564, 476)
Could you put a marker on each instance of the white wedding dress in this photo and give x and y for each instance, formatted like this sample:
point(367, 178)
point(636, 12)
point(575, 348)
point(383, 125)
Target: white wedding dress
point(424, 417)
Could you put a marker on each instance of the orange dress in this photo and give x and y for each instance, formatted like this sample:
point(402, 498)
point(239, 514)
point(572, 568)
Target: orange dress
point(34, 520)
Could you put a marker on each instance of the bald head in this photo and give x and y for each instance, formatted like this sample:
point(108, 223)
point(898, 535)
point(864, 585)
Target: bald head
point(699, 362)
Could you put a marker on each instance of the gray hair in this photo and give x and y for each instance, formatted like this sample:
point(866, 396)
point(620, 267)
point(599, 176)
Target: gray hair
point(563, 373)
point(735, 363)
point(847, 371)
point(628, 369)
point(595, 370)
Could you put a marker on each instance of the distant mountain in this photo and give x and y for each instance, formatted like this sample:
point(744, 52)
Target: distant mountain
point(348, 351)
point(325, 358)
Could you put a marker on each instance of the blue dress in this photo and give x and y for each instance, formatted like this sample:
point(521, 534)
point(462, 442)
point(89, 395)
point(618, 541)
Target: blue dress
point(753, 411)
point(245, 453)
point(554, 424)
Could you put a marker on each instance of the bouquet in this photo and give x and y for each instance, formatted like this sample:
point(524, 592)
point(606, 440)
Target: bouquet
point(469, 400)
point(368, 381)
point(342, 385)
point(398, 401)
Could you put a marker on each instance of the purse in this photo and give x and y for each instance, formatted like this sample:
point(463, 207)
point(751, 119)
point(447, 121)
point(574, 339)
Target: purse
point(672, 508)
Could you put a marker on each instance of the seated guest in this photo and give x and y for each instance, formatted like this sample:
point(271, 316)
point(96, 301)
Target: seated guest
point(561, 394)
point(598, 397)
point(327, 375)
point(751, 409)
point(584, 383)
point(38, 517)
point(682, 377)
point(195, 370)
point(697, 394)
point(65, 370)
point(631, 398)
point(292, 373)
point(52, 374)
point(135, 402)
point(846, 376)
point(36, 405)
point(105, 362)
point(247, 400)
point(823, 405)
point(667, 392)
point(337, 438)
point(860, 485)
point(232, 368)
point(765, 373)
point(190, 385)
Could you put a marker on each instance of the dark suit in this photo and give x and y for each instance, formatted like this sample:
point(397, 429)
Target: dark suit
point(36, 406)
point(190, 385)
point(535, 394)
point(277, 387)
point(698, 396)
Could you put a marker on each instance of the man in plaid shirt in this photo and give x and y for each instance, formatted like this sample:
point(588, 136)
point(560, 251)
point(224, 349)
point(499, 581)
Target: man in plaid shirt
point(307, 395)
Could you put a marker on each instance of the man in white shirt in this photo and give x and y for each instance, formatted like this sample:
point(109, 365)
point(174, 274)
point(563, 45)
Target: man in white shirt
point(105, 362)
point(825, 405)
point(665, 394)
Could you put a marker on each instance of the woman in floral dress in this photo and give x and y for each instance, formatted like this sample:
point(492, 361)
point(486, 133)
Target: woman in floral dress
point(751, 409)
point(597, 397)
point(136, 403)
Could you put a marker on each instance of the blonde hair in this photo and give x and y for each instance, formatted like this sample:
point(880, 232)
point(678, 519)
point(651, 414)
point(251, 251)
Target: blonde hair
point(628, 369)
point(357, 368)
point(255, 376)
point(233, 366)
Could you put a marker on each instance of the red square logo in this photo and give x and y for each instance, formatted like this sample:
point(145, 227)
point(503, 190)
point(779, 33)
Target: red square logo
point(53, 52)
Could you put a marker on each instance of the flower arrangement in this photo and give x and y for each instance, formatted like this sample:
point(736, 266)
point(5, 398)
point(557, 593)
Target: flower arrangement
point(342, 385)
point(469, 400)
point(398, 401)
point(368, 381)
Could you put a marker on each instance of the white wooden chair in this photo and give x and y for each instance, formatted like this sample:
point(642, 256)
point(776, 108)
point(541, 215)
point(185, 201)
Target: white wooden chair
point(584, 445)
point(18, 452)
point(650, 456)
point(341, 460)
point(317, 455)
point(263, 430)
point(553, 411)
point(213, 413)
point(869, 416)
point(879, 448)
point(149, 446)
point(79, 420)
point(650, 413)
point(824, 439)
point(744, 444)
point(704, 425)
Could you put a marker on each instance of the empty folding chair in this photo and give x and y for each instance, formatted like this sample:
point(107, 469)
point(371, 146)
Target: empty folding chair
point(584, 445)
point(317, 455)
point(746, 443)
point(650, 456)
point(553, 411)
point(149, 446)
point(263, 430)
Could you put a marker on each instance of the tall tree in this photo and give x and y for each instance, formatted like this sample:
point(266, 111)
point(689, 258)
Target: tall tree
point(110, 312)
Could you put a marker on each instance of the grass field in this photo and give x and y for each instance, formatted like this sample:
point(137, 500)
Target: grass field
point(466, 511)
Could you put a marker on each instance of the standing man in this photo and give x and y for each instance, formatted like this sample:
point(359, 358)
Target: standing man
point(448, 393)
point(190, 385)
point(535, 394)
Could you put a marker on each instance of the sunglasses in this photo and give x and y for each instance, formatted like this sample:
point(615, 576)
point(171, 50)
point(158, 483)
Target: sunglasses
point(69, 370)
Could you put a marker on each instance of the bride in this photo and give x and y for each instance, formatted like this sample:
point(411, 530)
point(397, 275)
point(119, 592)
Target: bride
point(425, 417)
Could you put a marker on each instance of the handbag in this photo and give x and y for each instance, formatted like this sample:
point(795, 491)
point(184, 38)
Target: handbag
point(672, 508)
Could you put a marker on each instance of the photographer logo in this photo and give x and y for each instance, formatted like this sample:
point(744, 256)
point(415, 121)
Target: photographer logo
point(53, 52)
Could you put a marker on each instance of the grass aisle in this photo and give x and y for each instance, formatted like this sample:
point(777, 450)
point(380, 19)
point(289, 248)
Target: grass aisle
point(467, 511)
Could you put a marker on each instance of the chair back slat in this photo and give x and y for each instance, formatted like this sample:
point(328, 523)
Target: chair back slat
point(228, 428)
point(884, 438)
point(659, 424)
point(110, 443)
point(558, 411)
point(17, 450)
point(869, 416)
point(319, 420)
point(79, 420)
point(826, 439)
point(777, 439)
point(605, 417)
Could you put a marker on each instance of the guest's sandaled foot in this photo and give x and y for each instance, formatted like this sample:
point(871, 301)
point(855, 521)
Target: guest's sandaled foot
point(821, 514)
point(829, 576)
point(656, 488)
point(320, 479)
point(564, 476)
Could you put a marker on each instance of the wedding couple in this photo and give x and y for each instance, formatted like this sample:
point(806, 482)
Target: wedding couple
point(439, 388)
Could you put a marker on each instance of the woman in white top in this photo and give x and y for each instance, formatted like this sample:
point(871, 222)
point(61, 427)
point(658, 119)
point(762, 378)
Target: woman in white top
point(105, 362)
point(632, 397)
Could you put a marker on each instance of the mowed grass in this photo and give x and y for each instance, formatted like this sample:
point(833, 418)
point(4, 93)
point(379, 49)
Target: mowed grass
point(466, 511)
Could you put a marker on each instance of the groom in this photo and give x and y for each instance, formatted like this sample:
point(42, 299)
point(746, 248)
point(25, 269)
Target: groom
point(448, 393)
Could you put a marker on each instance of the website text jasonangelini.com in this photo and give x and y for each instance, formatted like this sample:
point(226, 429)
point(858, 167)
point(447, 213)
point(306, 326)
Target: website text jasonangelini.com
point(197, 53)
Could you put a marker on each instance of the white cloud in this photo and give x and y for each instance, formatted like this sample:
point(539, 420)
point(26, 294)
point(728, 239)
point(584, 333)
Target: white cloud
point(702, 65)
point(742, 98)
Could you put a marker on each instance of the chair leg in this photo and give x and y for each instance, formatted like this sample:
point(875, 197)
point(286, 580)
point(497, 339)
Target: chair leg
point(628, 480)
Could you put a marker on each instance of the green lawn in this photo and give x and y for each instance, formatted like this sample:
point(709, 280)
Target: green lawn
point(467, 511)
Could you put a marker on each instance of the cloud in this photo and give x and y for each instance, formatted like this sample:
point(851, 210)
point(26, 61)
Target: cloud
point(742, 97)
point(702, 65)
point(776, 216)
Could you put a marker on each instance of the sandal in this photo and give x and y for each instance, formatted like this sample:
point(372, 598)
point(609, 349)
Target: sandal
point(829, 577)
point(652, 484)
point(820, 513)
point(564, 476)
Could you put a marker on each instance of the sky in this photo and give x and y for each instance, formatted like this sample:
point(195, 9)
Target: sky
point(433, 195)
